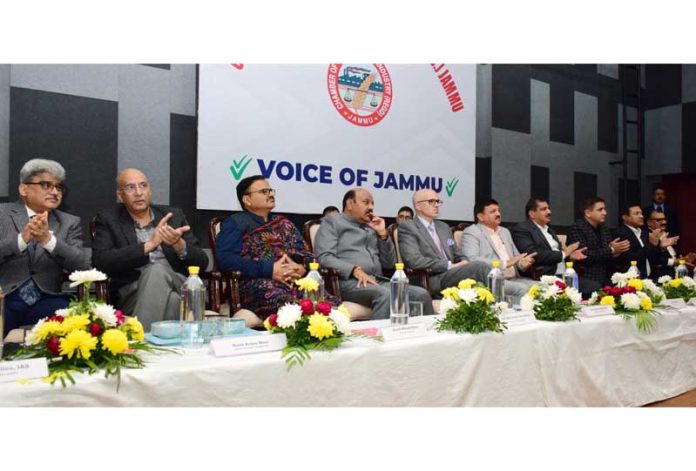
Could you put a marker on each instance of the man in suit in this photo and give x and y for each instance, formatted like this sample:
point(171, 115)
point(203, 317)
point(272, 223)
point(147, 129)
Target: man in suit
point(425, 242)
point(668, 257)
point(591, 232)
point(659, 203)
point(488, 241)
point(146, 250)
point(404, 214)
point(357, 244)
point(38, 242)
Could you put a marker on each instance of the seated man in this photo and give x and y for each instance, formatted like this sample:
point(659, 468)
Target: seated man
point(535, 235)
point(146, 250)
point(38, 242)
point(425, 242)
point(329, 211)
point(487, 241)
point(404, 214)
point(668, 257)
point(591, 233)
point(357, 244)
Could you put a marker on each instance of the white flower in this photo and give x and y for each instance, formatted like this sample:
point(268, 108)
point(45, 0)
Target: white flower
point(288, 315)
point(593, 299)
point(549, 292)
point(86, 276)
point(64, 312)
point(527, 303)
point(630, 301)
point(574, 295)
point(106, 313)
point(447, 305)
point(664, 279)
point(31, 336)
point(468, 295)
point(549, 280)
point(688, 282)
point(342, 322)
point(620, 279)
point(501, 307)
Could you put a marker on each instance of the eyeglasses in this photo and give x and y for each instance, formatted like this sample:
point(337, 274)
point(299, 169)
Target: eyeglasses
point(658, 219)
point(48, 186)
point(432, 202)
point(131, 187)
point(263, 191)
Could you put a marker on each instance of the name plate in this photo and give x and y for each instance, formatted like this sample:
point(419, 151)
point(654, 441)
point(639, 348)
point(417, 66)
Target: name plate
point(407, 331)
point(514, 318)
point(596, 311)
point(23, 369)
point(676, 303)
point(230, 346)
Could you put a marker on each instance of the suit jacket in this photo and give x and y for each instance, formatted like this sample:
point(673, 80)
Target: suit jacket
point(671, 215)
point(35, 262)
point(418, 250)
point(529, 238)
point(117, 252)
point(478, 245)
point(599, 260)
point(637, 252)
point(342, 243)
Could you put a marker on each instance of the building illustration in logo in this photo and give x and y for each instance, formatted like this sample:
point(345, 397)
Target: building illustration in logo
point(362, 93)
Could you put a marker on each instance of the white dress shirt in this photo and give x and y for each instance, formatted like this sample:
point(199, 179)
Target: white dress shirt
point(49, 246)
point(637, 232)
point(560, 268)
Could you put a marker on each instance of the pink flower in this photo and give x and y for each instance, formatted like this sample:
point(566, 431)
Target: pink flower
point(324, 308)
point(95, 329)
point(120, 318)
point(561, 285)
point(273, 320)
point(53, 345)
point(307, 307)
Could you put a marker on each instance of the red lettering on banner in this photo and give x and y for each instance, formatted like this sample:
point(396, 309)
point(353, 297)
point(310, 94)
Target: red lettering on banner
point(449, 87)
point(238, 66)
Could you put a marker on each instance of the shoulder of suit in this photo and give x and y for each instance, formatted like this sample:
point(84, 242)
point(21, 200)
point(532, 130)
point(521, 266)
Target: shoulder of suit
point(65, 216)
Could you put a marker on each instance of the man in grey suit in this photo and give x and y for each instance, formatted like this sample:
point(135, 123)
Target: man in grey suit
point(488, 241)
point(38, 243)
point(425, 242)
point(357, 244)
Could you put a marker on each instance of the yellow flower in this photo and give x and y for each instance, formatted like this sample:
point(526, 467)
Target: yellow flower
point(320, 326)
point(115, 341)
point(485, 295)
point(451, 293)
point(608, 301)
point(676, 283)
point(636, 283)
point(307, 285)
point(646, 304)
point(267, 324)
point(80, 341)
point(135, 328)
point(47, 329)
point(466, 284)
point(533, 291)
point(72, 323)
point(342, 308)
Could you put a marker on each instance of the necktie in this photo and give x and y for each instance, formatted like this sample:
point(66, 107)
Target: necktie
point(436, 239)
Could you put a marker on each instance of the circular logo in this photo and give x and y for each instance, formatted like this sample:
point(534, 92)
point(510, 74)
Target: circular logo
point(361, 93)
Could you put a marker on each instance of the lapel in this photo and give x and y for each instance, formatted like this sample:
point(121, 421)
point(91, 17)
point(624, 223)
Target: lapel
point(540, 235)
point(426, 234)
point(487, 237)
point(19, 216)
point(127, 226)
point(444, 235)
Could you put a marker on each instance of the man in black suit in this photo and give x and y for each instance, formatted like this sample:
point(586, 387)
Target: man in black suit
point(146, 250)
point(668, 258)
point(658, 204)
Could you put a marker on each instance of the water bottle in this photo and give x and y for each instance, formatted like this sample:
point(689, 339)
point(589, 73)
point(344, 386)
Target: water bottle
point(398, 301)
point(680, 271)
point(314, 274)
point(570, 276)
point(192, 309)
point(496, 282)
point(634, 269)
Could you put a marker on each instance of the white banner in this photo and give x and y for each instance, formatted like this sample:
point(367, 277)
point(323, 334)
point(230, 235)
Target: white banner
point(315, 131)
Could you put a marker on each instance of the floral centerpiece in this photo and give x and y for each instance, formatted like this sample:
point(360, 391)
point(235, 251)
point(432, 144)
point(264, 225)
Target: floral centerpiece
point(552, 300)
point(88, 336)
point(684, 288)
point(309, 325)
point(469, 307)
point(631, 297)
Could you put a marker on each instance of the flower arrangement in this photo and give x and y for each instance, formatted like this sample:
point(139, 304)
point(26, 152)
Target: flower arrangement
point(469, 307)
point(88, 335)
point(684, 288)
point(631, 297)
point(552, 300)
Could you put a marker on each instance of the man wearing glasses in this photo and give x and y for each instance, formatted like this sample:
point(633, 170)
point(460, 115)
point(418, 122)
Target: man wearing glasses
point(146, 250)
point(425, 242)
point(38, 242)
point(657, 225)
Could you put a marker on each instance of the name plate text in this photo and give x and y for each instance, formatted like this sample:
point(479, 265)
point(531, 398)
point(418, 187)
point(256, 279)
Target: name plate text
point(596, 311)
point(407, 331)
point(514, 318)
point(230, 346)
point(23, 369)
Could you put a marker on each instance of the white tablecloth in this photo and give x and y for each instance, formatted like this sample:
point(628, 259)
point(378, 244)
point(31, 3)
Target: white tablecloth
point(594, 362)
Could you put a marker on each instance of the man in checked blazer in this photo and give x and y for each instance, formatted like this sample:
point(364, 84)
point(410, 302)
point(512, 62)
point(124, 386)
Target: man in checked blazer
point(425, 242)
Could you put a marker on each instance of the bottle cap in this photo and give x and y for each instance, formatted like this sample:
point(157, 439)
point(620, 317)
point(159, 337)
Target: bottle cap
point(399, 266)
point(314, 266)
point(193, 270)
point(495, 264)
point(569, 264)
point(634, 263)
point(681, 261)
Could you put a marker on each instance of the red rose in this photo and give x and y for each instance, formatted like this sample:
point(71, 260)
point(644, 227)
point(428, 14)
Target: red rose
point(560, 284)
point(53, 345)
point(273, 320)
point(307, 307)
point(58, 319)
point(324, 308)
point(616, 291)
point(95, 329)
point(607, 289)
point(630, 289)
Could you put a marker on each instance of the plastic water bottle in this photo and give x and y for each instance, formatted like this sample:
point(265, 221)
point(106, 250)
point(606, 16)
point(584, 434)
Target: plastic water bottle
point(192, 309)
point(681, 271)
point(634, 269)
point(496, 282)
point(314, 274)
point(570, 276)
point(398, 301)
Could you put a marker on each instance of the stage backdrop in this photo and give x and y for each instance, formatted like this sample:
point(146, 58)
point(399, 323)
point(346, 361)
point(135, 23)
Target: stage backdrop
point(315, 131)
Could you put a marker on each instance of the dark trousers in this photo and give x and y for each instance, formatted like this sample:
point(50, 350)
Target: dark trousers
point(19, 313)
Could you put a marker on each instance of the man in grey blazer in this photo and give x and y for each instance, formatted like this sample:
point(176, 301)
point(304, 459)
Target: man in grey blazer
point(425, 242)
point(488, 241)
point(38, 243)
point(357, 244)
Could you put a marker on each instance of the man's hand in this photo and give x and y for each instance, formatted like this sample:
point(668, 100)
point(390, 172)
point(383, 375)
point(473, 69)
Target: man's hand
point(459, 263)
point(654, 236)
point(619, 246)
point(668, 241)
point(156, 237)
point(379, 226)
point(527, 261)
point(171, 236)
point(283, 270)
point(363, 278)
point(578, 254)
point(38, 227)
point(571, 248)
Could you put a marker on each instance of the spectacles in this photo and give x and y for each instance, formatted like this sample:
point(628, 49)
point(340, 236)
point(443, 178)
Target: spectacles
point(131, 187)
point(658, 219)
point(48, 186)
point(432, 202)
point(264, 191)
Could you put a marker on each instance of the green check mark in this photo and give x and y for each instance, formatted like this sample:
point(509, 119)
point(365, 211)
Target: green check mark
point(238, 166)
point(451, 185)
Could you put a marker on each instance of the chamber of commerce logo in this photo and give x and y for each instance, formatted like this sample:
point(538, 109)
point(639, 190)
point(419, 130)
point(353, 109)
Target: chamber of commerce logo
point(361, 93)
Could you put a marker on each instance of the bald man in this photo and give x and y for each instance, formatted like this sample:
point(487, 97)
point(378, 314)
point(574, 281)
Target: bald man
point(425, 242)
point(146, 250)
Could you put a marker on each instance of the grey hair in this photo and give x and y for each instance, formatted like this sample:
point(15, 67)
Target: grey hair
point(36, 166)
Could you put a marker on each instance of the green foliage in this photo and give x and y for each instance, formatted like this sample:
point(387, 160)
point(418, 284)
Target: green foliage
point(473, 318)
point(557, 309)
point(645, 320)
point(679, 292)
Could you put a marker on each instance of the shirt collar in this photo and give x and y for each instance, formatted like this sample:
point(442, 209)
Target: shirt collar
point(543, 228)
point(425, 222)
point(152, 220)
point(489, 230)
point(30, 212)
point(636, 230)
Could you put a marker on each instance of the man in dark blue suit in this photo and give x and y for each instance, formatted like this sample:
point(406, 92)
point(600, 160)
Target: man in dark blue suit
point(658, 203)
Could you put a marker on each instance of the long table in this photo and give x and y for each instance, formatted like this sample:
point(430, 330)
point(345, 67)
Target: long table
point(601, 361)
